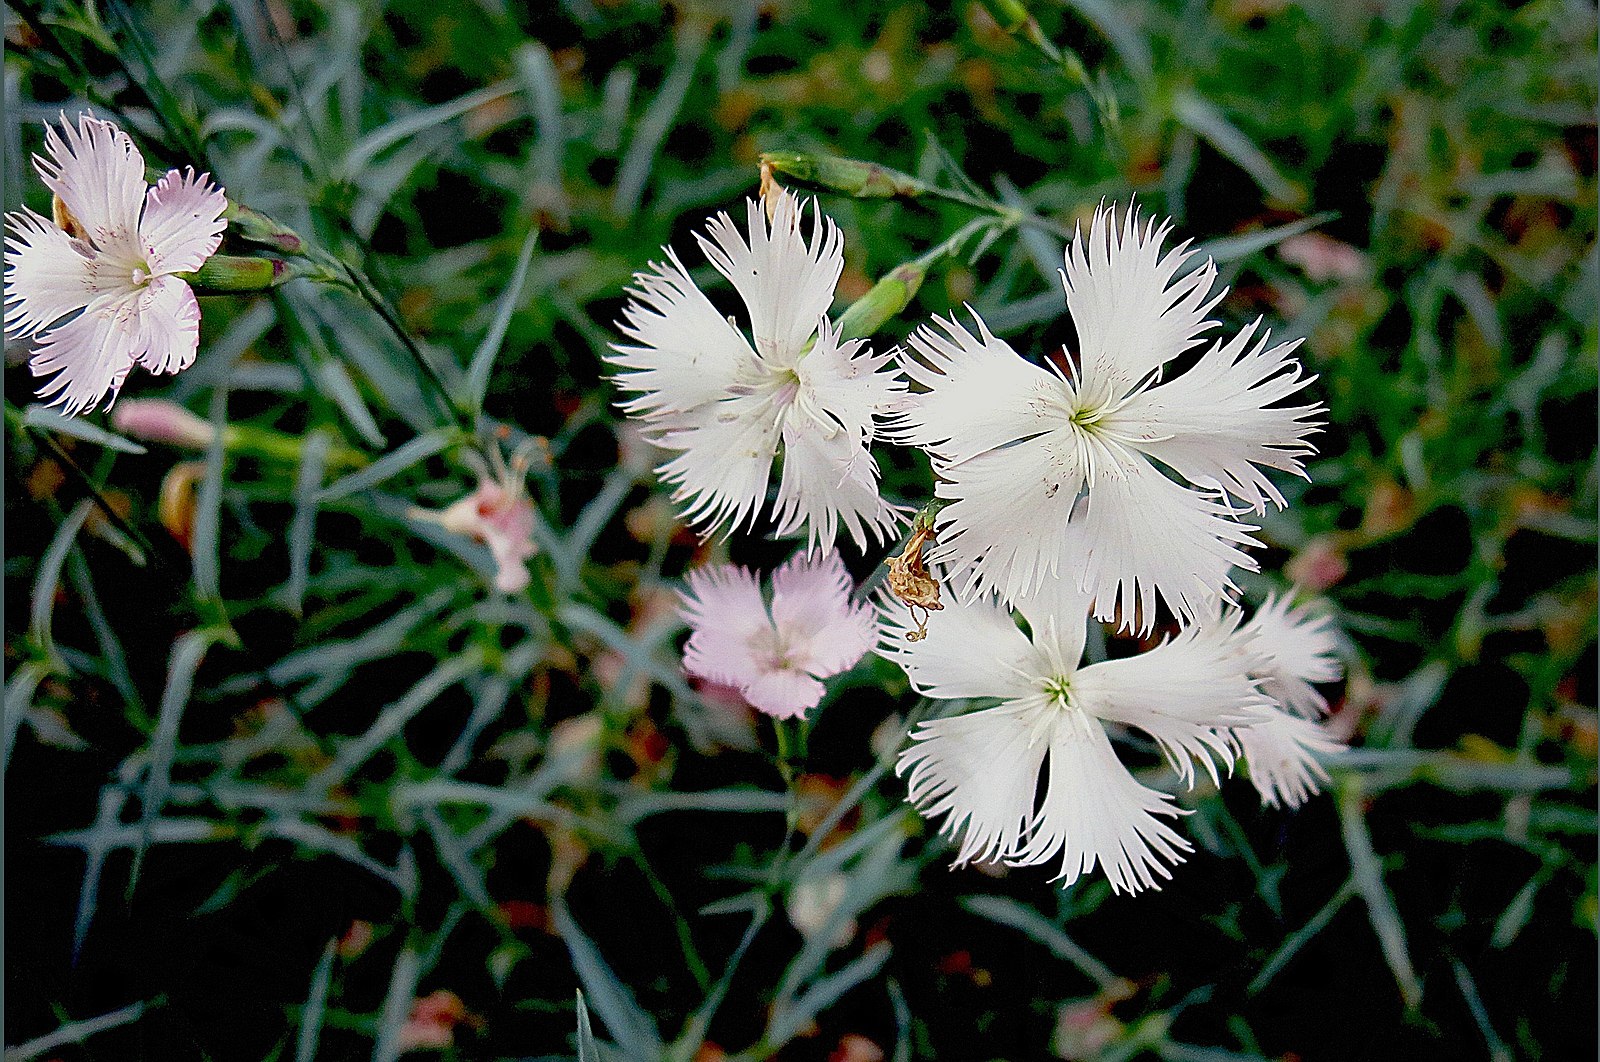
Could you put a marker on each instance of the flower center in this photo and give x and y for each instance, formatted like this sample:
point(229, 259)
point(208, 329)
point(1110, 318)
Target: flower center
point(1058, 689)
point(141, 276)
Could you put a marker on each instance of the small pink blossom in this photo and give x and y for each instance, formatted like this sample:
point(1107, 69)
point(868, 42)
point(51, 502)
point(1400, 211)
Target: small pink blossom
point(501, 517)
point(775, 656)
point(101, 284)
point(498, 513)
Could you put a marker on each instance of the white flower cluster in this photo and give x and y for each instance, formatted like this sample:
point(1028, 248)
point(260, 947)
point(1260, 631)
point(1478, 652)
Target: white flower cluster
point(1103, 486)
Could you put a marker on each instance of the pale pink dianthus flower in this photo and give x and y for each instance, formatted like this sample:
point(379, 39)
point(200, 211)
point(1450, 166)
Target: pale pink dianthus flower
point(100, 284)
point(775, 656)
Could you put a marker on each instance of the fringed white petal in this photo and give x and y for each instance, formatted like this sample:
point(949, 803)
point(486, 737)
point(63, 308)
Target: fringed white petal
point(1058, 615)
point(830, 477)
point(1132, 311)
point(169, 325)
point(1220, 420)
point(1281, 755)
point(825, 632)
point(724, 460)
point(99, 175)
point(981, 394)
point(978, 772)
point(723, 606)
point(1146, 537)
point(1006, 526)
point(1181, 693)
point(684, 354)
point(88, 357)
point(1095, 812)
point(786, 282)
point(1293, 648)
point(972, 649)
point(48, 274)
point(182, 224)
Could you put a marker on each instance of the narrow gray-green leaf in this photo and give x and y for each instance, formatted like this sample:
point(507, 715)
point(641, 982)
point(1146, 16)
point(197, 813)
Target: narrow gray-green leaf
point(337, 385)
point(1236, 248)
point(482, 365)
point(48, 577)
point(47, 419)
point(1366, 873)
point(302, 526)
point(187, 652)
point(1207, 121)
point(1008, 912)
point(824, 994)
point(74, 1032)
point(391, 133)
point(397, 1006)
point(391, 464)
point(206, 547)
point(640, 158)
point(316, 1005)
point(630, 1027)
point(588, 1050)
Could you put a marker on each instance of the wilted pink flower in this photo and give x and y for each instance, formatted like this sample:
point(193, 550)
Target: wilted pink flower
point(111, 260)
point(162, 421)
point(499, 514)
point(775, 657)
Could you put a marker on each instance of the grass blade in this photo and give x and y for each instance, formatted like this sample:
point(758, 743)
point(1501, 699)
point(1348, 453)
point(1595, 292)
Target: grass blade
point(47, 419)
point(482, 364)
point(187, 652)
point(630, 1027)
point(305, 1049)
point(302, 526)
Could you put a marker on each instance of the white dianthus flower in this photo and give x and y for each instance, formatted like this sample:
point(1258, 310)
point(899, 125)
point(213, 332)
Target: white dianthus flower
point(1060, 474)
point(108, 263)
point(724, 405)
point(980, 771)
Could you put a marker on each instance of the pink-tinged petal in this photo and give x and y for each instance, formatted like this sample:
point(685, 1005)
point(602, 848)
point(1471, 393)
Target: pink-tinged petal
point(820, 629)
point(169, 326)
point(723, 606)
point(48, 274)
point(183, 223)
point(784, 693)
point(99, 175)
point(978, 771)
point(1096, 813)
point(89, 357)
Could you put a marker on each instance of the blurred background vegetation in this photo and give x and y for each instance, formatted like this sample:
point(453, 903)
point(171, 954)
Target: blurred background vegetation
point(287, 780)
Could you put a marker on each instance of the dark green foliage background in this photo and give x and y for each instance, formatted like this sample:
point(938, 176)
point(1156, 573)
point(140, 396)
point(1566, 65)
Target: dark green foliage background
point(1438, 903)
